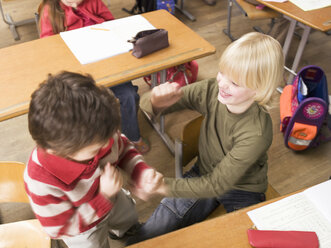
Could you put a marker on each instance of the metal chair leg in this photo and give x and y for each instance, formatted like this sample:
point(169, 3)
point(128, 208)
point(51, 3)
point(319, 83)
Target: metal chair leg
point(227, 31)
point(181, 9)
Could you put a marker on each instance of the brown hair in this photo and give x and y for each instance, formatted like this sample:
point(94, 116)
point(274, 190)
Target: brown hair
point(56, 15)
point(69, 112)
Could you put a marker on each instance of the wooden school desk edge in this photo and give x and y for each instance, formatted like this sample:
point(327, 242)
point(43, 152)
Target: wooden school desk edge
point(141, 67)
point(319, 19)
point(226, 231)
point(148, 65)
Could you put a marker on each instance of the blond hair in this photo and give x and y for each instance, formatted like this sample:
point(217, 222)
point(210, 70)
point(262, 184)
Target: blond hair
point(255, 61)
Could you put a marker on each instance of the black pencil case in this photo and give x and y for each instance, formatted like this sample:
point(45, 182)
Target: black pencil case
point(148, 41)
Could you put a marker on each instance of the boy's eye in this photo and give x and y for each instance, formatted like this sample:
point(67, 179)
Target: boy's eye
point(234, 84)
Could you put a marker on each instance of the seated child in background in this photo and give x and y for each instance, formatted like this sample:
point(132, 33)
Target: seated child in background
point(74, 175)
point(62, 15)
point(235, 135)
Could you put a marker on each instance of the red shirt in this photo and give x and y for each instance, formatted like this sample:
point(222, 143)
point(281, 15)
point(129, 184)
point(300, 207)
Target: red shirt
point(64, 194)
point(87, 13)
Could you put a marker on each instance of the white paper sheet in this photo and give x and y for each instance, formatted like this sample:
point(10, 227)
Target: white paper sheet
point(307, 5)
point(101, 41)
point(299, 212)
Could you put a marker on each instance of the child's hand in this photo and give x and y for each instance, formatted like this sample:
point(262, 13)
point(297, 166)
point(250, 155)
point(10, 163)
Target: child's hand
point(111, 181)
point(149, 183)
point(165, 95)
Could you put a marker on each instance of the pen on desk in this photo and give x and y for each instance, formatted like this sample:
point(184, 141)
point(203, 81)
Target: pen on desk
point(103, 29)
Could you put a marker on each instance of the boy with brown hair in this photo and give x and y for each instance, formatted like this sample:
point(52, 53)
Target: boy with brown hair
point(74, 175)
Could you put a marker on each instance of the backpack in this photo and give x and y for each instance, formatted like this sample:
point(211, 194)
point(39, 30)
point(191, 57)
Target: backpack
point(304, 108)
point(143, 6)
point(183, 74)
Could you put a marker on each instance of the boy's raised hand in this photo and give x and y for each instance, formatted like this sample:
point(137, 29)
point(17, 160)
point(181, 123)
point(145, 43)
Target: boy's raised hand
point(164, 95)
point(149, 184)
point(111, 181)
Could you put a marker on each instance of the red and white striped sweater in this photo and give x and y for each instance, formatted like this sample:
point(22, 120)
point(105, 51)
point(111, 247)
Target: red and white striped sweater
point(64, 194)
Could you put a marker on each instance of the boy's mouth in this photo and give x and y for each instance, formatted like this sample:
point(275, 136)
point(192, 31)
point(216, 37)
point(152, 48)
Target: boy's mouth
point(223, 93)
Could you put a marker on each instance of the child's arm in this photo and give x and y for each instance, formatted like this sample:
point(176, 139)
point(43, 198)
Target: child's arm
point(150, 183)
point(111, 181)
point(66, 210)
point(143, 177)
point(103, 11)
point(164, 96)
point(46, 28)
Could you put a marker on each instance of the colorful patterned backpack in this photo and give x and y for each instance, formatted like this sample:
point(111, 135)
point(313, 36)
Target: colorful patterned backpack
point(304, 109)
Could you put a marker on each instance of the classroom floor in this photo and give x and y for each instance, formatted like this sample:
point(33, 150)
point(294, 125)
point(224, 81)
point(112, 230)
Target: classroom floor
point(288, 171)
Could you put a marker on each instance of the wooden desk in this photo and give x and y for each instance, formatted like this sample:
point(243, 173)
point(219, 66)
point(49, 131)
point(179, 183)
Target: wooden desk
point(26, 233)
point(25, 66)
point(226, 231)
point(319, 19)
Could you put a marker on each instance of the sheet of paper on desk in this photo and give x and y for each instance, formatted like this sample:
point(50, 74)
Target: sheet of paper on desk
point(101, 41)
point(307, 5)
point(309, 210)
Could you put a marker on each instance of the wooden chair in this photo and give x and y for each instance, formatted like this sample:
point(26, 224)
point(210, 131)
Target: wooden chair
point(11, 182)
point(252, 13)
point(26, 233)
point(186, 149)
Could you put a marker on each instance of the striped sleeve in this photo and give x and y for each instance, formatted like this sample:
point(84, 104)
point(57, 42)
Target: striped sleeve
point(130, 160)
point(61, 209)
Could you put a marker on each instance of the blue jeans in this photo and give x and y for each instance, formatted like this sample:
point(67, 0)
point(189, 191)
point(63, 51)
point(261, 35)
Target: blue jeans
point(175, 213)
point(129, 99)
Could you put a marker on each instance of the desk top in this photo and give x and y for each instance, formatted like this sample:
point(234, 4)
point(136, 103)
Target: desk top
point(26, 233)
point(25, 66)
point(226, 231)
point(319, 19)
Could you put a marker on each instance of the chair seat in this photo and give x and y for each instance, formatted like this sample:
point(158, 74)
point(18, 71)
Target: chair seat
point(253, 13)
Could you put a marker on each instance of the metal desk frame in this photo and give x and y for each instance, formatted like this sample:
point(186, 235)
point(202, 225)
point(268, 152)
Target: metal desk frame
point(159, 127)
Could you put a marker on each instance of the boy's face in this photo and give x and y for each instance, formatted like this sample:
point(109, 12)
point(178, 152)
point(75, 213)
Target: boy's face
point(235, 97)
point(87, 153)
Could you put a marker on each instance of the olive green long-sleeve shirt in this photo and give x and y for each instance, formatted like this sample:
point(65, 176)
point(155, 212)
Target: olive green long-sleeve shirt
point(232, 147)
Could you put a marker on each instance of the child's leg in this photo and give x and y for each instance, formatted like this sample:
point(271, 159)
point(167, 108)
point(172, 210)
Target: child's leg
point(122, 216)
point(129, 98)
point(237, 199)
point(175, 213)
point(96, 237)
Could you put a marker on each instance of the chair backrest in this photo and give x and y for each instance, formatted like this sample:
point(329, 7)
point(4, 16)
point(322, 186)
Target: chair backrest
point(187, 148)
point(11, 182)
point(190, 139)
point(24, 234)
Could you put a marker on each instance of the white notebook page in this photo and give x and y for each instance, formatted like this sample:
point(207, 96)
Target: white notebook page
point(299, 213)
point(101, 41)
